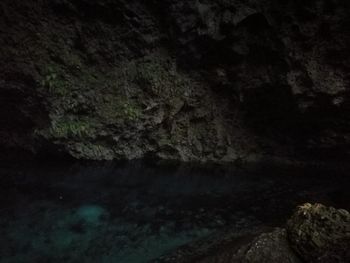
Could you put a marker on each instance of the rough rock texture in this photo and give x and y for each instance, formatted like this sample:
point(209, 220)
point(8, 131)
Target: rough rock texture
point(252, 247)
point(175, 79)
point(320, 234)
point(268, 247)
point(219, 247)
point(314, 233)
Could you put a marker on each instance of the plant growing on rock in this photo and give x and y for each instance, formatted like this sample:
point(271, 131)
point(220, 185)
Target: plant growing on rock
point(53, 82)
point(130, 111)
point(70, 128)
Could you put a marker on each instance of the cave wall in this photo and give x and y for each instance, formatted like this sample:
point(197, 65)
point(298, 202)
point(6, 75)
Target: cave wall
point(174, 79)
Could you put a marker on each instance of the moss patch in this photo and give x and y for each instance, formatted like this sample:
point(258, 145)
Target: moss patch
point(65, 128)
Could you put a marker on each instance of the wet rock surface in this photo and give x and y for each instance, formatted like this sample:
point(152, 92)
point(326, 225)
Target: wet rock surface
point(186, 80)
point(320, 234)
point(268, 247)
point(247, 246)
point(315, 233)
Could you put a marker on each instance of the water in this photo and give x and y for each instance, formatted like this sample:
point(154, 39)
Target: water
point(135, 212)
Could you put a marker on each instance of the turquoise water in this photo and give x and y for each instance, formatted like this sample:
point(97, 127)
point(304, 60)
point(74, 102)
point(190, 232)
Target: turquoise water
point(135, 212)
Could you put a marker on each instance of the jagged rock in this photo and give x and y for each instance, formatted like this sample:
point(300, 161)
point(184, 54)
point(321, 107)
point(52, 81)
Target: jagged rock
point(270, 247)
point(230, 79)
point(314, 233)
point(320, 234)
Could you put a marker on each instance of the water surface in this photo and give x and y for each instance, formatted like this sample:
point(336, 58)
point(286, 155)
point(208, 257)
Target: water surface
point(135, 212)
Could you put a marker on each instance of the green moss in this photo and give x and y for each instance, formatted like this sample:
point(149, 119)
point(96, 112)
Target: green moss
point(53, 81)
point(130, 111)
point(119, 109)
point(91, 150)
point(70, 128)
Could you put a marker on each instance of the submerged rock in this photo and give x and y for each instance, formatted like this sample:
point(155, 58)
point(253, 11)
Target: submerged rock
point(320, 234)
point(91, 214)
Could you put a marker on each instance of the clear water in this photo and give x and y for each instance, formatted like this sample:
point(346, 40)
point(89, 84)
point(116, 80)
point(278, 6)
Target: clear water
point(135, 212)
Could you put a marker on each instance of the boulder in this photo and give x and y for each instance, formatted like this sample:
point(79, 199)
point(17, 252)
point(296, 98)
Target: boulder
point(315, 233)
point(320, 234)
point(270, 247)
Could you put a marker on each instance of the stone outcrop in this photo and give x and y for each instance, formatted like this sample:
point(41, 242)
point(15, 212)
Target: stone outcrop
point(270, 247)
point(315, 233)
point(320, 234)
point(173, 79)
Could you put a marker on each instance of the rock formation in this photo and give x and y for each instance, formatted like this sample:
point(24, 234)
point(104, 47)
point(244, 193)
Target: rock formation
point(315, 233)
point(320, 234)
point(190, 80)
